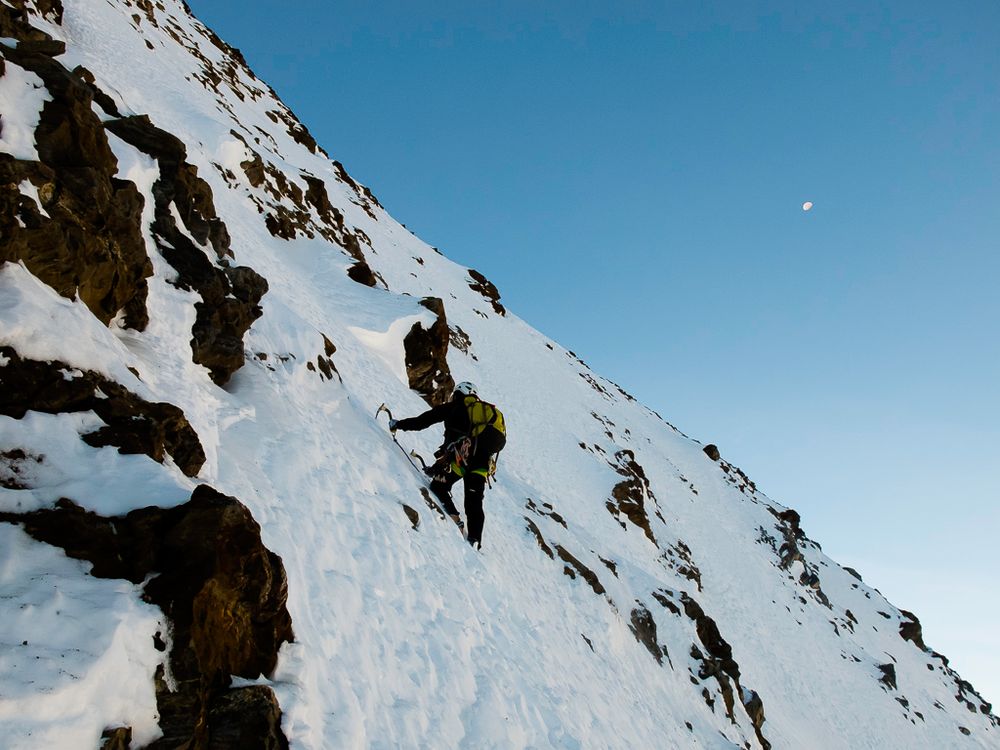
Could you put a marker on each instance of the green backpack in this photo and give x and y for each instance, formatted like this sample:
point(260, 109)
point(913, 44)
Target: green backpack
point(483, 415)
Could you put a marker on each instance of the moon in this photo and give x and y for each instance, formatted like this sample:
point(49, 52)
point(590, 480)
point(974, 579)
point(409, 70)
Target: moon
point(807, 205)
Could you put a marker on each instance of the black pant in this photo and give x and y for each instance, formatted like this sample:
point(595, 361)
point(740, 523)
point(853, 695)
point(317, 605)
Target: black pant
point(489, 442)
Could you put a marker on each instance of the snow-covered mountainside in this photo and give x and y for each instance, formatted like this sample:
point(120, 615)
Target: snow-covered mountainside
point(209, 538)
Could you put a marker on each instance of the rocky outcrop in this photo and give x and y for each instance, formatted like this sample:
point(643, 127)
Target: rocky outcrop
point(426, 351)
point(574, 567)
point(132, 424)
point(888, 677)
point(230, 295)
point(630, 495)
point(292, 211)
point(485, 287)
point(712, 451)
point(224, 592)
point(78, 227)
point(911, 630)
point(643, 627)
point(717, 661)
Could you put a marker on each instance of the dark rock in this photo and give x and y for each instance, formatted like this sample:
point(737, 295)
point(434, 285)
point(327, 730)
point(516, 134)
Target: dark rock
point(719, 650)
point(853, 572)
point(911, 630)
point(246, 719)
point(254, 169)
point(643, 627)
point(426, 354)
point(663, 597)
point(547, 512)
point(116, 739)
point(888, 677)
point(362, 273)
point(132, 424)
point(485, 287)
point(630, 495)
point(14, 19)
point(755, 710)
point(712, 452)
point(461, 341)
point(103, 100)
point(230, 295)
point(412, 515)
point(85, 238)
point(533, 528)
point(361, 190)
point(222, 589)
point(48, 47)
point(585, 573)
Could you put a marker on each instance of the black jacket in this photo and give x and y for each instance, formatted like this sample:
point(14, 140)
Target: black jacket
point(454, 414)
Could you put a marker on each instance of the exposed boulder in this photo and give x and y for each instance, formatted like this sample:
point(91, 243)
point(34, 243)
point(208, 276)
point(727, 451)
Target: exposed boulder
point(888, 677)
point(246, 718)
point(754, 707)
point(485, 287)
point(117, 739)
point(720, 653)
point(362, 273)
point(533, 528)
point(712, 451)
point(630, 496)
point(426, 351)
point(131, 424)
point(911, 630)
point(206, 567)
point(574, 567)
point(83, 236)
point(643, 627)
point(230, 295)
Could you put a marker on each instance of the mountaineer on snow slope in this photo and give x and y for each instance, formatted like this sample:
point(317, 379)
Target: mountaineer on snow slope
point(474, 432)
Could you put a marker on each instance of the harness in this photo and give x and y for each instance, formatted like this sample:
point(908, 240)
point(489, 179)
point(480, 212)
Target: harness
point(454, 456)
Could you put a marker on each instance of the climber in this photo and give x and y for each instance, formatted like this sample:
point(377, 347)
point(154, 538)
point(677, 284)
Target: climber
point(474, 433)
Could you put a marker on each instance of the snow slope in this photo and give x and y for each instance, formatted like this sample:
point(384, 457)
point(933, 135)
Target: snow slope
point(584, 621)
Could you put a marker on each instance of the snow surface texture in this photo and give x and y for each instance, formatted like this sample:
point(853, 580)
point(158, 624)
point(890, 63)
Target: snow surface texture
point(406, 637)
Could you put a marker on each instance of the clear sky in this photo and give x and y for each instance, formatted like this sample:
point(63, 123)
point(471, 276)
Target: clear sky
point(631, 175)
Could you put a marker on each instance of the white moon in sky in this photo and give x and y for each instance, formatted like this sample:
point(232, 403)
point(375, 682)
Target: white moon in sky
point(807, 205)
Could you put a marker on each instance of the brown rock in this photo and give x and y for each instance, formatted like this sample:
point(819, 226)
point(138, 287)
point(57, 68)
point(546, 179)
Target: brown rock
point(246, 719)
point(643, 627)
point(630, 495)
point(911, 630)
point(131, 424)
point(230, 295)
point(223, 591)
point(426, 351)
point(116, 739)
point(85, 239)
point(486, 288)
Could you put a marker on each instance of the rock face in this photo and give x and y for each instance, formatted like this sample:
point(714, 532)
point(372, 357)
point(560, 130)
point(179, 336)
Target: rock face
point(131, 424)
point(630, 495)
point(488, 289)
point(427, 356)
point(230, 295)
point(82, 236)
point(224, 592)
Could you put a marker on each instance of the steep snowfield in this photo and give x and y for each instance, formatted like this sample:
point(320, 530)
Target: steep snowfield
point(405, 636)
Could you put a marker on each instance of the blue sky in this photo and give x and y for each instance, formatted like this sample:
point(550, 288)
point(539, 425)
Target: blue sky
point(631, 177)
